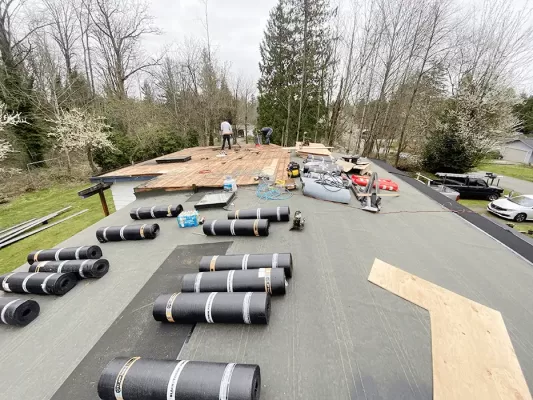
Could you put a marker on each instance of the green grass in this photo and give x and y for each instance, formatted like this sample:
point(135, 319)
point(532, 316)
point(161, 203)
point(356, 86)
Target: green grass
point(39, 204)
point(520, 171)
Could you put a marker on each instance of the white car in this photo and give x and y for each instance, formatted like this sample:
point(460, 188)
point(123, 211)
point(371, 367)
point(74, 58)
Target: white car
point(518, 208)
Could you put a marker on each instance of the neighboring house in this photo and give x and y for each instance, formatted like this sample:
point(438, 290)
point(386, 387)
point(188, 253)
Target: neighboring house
point(518, 150)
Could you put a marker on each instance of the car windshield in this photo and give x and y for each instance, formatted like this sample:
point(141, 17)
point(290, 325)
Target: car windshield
point(522, 201)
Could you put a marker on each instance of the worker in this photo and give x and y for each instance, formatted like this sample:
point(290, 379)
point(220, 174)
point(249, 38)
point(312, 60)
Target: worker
point(268, 134)
point(226, 131)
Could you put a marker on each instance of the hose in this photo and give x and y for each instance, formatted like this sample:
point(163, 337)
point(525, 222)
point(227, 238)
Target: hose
point(147, 379)
point(267, 280)
point(248, 227)
point(18, 312)
point(247, 261)
point(227, 308)
point(127, 232)
point(67, 253)
point(272, 214)
point(156, 212)
point(38, 283)
point(82, 268)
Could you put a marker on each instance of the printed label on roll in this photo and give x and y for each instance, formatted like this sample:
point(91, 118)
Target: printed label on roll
point(246, 308)
point(208, 306)
point(4, 310)
point(256, 225)
point(197, 281)
point(229, 283)
point(225, 382)
point(268, 281)
point(245, 261)
point(169, 211)
point(141, 231)
point(121, 375)
point(36, 256)
point(212, 264)
point(168, 308)
point(173, 382)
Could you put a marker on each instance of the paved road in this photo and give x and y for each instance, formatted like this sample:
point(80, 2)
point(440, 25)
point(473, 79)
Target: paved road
point(518, 185)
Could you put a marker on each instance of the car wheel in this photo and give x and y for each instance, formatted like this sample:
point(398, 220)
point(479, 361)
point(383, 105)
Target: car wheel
point(492, 197)
point(520, 217)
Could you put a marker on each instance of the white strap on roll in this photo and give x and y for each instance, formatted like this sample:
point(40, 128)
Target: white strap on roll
point(5, 285)
point(213, 227)
point(119, 382)
point(57, 254)
point(229, 282)
point(80, 271)
point(246, 308)
point(174, 377)
point(122, 232)
point(77, 255)
point(197, 281)
point(137, 213)
point(245, 261)
point(43, 285)
point(4, 310)
point(226, 380)
point(258, 213)
point(104, 234)
point(61, 266)
point(275, 260)
point(278, 212)
point(152, 212)
point(25, 281)
point(232, 227)
point(208, 305)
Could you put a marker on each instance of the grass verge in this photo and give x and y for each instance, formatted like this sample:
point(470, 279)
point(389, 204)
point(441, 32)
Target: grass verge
point(519, 171)
point(39, 204)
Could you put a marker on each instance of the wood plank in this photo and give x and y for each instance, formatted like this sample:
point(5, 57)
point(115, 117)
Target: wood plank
point(473, 357)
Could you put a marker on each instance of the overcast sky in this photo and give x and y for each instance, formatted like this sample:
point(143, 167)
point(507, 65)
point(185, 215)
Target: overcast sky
point(236, 28)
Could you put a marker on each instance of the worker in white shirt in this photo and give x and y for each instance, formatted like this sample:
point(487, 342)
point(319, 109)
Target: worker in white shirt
point(227, 131)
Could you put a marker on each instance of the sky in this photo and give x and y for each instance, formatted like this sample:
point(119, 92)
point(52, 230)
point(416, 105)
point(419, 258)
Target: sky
point(236, 29)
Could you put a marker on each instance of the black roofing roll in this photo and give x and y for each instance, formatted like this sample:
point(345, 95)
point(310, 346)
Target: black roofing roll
point(312, 157)
point(18, 312)
point(147, 379)
point(226, 308)
point(235, 227)
point(156, 212)
point(127, 232)
point(38, 283)
point(82, 268)
point(247, 261)
point(260, 280)
point(67, 253)
point(272, 214)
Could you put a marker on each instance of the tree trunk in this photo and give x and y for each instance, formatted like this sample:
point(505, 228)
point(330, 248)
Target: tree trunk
point(94, 168)
point(304, 68)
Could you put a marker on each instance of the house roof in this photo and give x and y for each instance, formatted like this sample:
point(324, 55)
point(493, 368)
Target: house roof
point(527, 142)
point(334, 335)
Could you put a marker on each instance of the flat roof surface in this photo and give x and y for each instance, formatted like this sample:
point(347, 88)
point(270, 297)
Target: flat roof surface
point(333, 336)
point(206, 170)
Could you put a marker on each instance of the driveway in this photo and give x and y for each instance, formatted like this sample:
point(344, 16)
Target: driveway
point(518, 185)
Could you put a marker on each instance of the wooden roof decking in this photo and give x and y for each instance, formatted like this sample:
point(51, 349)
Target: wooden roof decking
point(207, 170)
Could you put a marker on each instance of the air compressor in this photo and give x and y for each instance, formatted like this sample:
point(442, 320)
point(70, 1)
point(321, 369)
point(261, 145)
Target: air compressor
point(293, 170)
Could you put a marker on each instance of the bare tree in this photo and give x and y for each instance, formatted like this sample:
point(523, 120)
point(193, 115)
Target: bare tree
point(118, 26)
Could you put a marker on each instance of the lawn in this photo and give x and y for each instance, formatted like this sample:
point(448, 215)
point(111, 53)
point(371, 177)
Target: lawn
point(520, 171)
point(39, 204)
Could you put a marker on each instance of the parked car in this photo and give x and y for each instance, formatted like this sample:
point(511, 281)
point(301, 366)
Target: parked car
point(470, 186)
point(518, 208)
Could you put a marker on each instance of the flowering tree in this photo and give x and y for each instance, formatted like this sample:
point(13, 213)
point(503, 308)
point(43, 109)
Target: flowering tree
point(79, 130)
point(7, 119)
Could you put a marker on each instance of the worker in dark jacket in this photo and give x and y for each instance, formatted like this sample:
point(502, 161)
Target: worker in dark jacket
point(268, 134)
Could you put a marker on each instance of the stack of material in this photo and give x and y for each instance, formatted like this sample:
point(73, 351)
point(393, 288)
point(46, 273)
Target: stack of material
point(313, 148)
point(127, 232)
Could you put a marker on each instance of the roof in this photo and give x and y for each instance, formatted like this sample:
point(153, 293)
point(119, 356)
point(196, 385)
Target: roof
point(334, 335)
point(206, 169)
point(527, 142)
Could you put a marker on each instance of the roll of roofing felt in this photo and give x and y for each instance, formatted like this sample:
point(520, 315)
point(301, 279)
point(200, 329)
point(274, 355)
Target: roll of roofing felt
point(82, 268)
point(147, 379)
point(38, 283)
point(67, 253)
point(272, 214)
point(328, 159)
point(18, 312)
point(156, 212)
point(247, 261)
point(322, 167)
point(247, 227)
point(127, 232)
point(227, 308)
point(260, 280)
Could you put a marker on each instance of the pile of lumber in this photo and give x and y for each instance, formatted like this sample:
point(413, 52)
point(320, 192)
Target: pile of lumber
point(314, 148)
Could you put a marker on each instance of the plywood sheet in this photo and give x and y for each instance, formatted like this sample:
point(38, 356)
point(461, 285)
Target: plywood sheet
point(314, 148)
point(473, 357)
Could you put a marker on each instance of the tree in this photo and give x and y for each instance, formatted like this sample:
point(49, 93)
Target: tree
point(7, 119)
point(80, 130)
point(524, 111)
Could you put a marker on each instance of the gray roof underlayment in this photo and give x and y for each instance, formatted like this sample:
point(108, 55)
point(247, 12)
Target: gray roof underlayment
point(333, 336)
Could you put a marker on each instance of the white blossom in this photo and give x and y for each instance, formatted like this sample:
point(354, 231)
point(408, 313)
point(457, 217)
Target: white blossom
point(6, 119)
